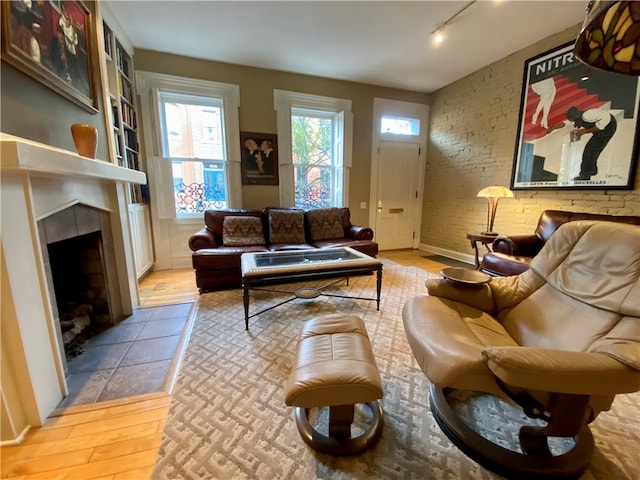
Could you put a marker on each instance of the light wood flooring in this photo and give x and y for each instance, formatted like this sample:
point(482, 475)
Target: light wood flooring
point(119, 440)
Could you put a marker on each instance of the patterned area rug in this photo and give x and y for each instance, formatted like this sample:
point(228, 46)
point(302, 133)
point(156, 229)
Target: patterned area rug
point(228, 419)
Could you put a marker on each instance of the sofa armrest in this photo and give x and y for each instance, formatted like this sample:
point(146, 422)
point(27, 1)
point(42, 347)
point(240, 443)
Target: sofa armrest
point(360, 233)
point(202, 239)
point(561, 371)
point(518, 245)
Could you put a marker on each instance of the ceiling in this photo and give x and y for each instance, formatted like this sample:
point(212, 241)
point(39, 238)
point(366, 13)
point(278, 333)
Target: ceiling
point(385, 43)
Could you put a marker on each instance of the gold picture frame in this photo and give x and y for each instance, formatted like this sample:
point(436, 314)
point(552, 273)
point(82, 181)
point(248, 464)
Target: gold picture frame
point(51, 42)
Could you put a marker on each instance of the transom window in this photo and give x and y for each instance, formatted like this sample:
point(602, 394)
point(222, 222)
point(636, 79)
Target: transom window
point(400, 125)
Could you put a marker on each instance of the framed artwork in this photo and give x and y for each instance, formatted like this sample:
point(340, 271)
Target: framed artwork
point(51, 41)
point(259, 158)
point(578, 126)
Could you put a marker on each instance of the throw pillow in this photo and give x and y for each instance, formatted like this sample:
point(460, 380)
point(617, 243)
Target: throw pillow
point(325, 223)
point(242, 231)
point(286, 226)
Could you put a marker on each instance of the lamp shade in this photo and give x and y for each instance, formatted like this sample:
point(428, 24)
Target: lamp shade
point(493, 194)
point(495, 191)
point(610, 37)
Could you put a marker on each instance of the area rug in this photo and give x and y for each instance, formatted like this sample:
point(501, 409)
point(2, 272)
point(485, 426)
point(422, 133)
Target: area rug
point(228, 419)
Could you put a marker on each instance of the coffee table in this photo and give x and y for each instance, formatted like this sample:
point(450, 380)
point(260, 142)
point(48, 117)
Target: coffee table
point(260, 268)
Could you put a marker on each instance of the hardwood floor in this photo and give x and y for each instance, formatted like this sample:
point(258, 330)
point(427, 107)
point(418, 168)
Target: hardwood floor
point(119, 440)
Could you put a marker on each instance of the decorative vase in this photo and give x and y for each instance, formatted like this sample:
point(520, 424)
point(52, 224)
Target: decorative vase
point(85, 138)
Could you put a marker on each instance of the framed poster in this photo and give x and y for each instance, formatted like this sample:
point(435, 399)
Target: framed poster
point(259, 163)
point(51, 41)
point(578, 126)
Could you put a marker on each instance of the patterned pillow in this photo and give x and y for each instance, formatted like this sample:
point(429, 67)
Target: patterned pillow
point(325, 223)
point(286, 226)
point(242, 231)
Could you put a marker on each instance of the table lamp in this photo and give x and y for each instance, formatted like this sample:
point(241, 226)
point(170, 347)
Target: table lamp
point(493, 194)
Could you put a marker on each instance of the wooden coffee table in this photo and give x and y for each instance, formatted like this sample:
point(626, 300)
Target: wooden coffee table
point(262, 268)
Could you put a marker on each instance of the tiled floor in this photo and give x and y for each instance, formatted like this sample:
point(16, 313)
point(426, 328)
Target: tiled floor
point(132, 358)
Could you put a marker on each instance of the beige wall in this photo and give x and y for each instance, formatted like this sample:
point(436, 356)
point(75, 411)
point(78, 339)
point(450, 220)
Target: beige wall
point(257, 113)
point(471, 143)
point(472, 137)
point(30, 110)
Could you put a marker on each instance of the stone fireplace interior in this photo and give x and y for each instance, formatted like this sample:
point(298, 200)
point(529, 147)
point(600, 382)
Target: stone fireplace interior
point(79, 260)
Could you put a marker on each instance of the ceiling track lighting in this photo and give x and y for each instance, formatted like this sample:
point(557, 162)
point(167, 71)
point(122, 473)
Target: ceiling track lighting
point(438, 35)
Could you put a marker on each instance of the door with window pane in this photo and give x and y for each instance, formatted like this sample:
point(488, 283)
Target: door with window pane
point(398, 175)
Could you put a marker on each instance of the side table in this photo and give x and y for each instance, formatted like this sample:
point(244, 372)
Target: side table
point(482, 238)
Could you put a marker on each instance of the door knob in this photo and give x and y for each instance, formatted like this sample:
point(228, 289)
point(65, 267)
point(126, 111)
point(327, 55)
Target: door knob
point(380, 206)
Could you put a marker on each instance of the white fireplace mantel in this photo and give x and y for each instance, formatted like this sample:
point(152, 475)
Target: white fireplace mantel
point(38, 180)
point(22, 155)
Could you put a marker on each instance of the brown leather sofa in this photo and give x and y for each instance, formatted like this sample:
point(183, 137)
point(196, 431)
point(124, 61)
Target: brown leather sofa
point(228, 233)
point(512, 254)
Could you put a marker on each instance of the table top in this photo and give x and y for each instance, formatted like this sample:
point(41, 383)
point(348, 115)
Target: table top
point(297, 261)
point(482, 237)
point(464, 275)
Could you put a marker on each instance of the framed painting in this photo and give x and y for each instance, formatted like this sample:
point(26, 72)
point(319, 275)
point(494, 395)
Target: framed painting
point(578, 126)
point(259, 163)
point(51, 42)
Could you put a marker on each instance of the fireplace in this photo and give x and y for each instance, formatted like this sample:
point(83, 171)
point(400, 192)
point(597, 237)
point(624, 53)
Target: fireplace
point(80, 266)
point(49, 195)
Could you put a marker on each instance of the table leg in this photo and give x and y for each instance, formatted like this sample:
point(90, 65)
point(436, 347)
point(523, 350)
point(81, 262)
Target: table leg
point(245, 299)
point(378, 286)
point(474, 244)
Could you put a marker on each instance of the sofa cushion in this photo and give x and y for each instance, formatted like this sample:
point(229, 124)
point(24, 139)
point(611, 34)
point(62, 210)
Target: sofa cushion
point(325, 223)
point(242, 231)
point(286, 226)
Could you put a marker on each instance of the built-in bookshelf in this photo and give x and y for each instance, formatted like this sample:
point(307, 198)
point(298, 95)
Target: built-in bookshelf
point(120, 107)
point(124, 118)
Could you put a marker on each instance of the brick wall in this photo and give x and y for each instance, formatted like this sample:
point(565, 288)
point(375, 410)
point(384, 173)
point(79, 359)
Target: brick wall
point(473, 128)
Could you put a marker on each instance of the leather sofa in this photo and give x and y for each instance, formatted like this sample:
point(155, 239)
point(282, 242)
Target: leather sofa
point(511, 255)
point(228, 233)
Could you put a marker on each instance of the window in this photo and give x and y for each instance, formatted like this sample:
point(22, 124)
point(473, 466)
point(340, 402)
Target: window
point(193, 140)
point(193, 147)
point(315, 150)
point(400, 125)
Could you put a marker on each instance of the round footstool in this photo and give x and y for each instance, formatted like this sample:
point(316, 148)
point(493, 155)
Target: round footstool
point(334, 367)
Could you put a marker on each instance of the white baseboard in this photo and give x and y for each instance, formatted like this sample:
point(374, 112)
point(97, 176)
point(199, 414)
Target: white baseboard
point(463, 257)
point(17, 440)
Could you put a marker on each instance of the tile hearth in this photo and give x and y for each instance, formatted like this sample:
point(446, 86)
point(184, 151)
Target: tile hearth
point(132, 358)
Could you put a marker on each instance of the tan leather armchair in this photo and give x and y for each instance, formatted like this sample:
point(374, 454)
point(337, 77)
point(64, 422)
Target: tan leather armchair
point(560, 340)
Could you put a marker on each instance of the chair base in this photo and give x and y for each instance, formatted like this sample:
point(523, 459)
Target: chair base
point(505, 462)
point(339, 441)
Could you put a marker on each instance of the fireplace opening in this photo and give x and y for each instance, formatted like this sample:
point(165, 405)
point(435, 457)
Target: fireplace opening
point(80, 286)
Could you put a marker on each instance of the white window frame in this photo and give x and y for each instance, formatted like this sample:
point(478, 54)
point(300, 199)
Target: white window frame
point(284, 101)
point(159, 168)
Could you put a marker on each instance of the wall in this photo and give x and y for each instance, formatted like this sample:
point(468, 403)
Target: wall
point(471, 142)
point(30, 110)
point(257, 112)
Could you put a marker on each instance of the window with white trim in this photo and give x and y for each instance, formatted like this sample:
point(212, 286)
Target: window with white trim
point(194, 159)
point(315, 149)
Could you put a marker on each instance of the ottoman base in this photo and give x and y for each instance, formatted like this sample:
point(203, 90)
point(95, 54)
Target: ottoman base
point(339, 440)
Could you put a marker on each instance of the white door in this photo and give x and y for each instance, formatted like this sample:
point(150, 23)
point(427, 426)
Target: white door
point(397, 194)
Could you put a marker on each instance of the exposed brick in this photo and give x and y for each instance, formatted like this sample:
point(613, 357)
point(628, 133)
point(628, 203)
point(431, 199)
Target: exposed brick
point(473, 128)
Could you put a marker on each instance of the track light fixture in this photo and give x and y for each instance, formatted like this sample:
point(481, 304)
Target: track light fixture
point(438, 35)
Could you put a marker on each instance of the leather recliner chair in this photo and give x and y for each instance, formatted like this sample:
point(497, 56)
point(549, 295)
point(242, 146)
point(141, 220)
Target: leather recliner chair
point(560, 340)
